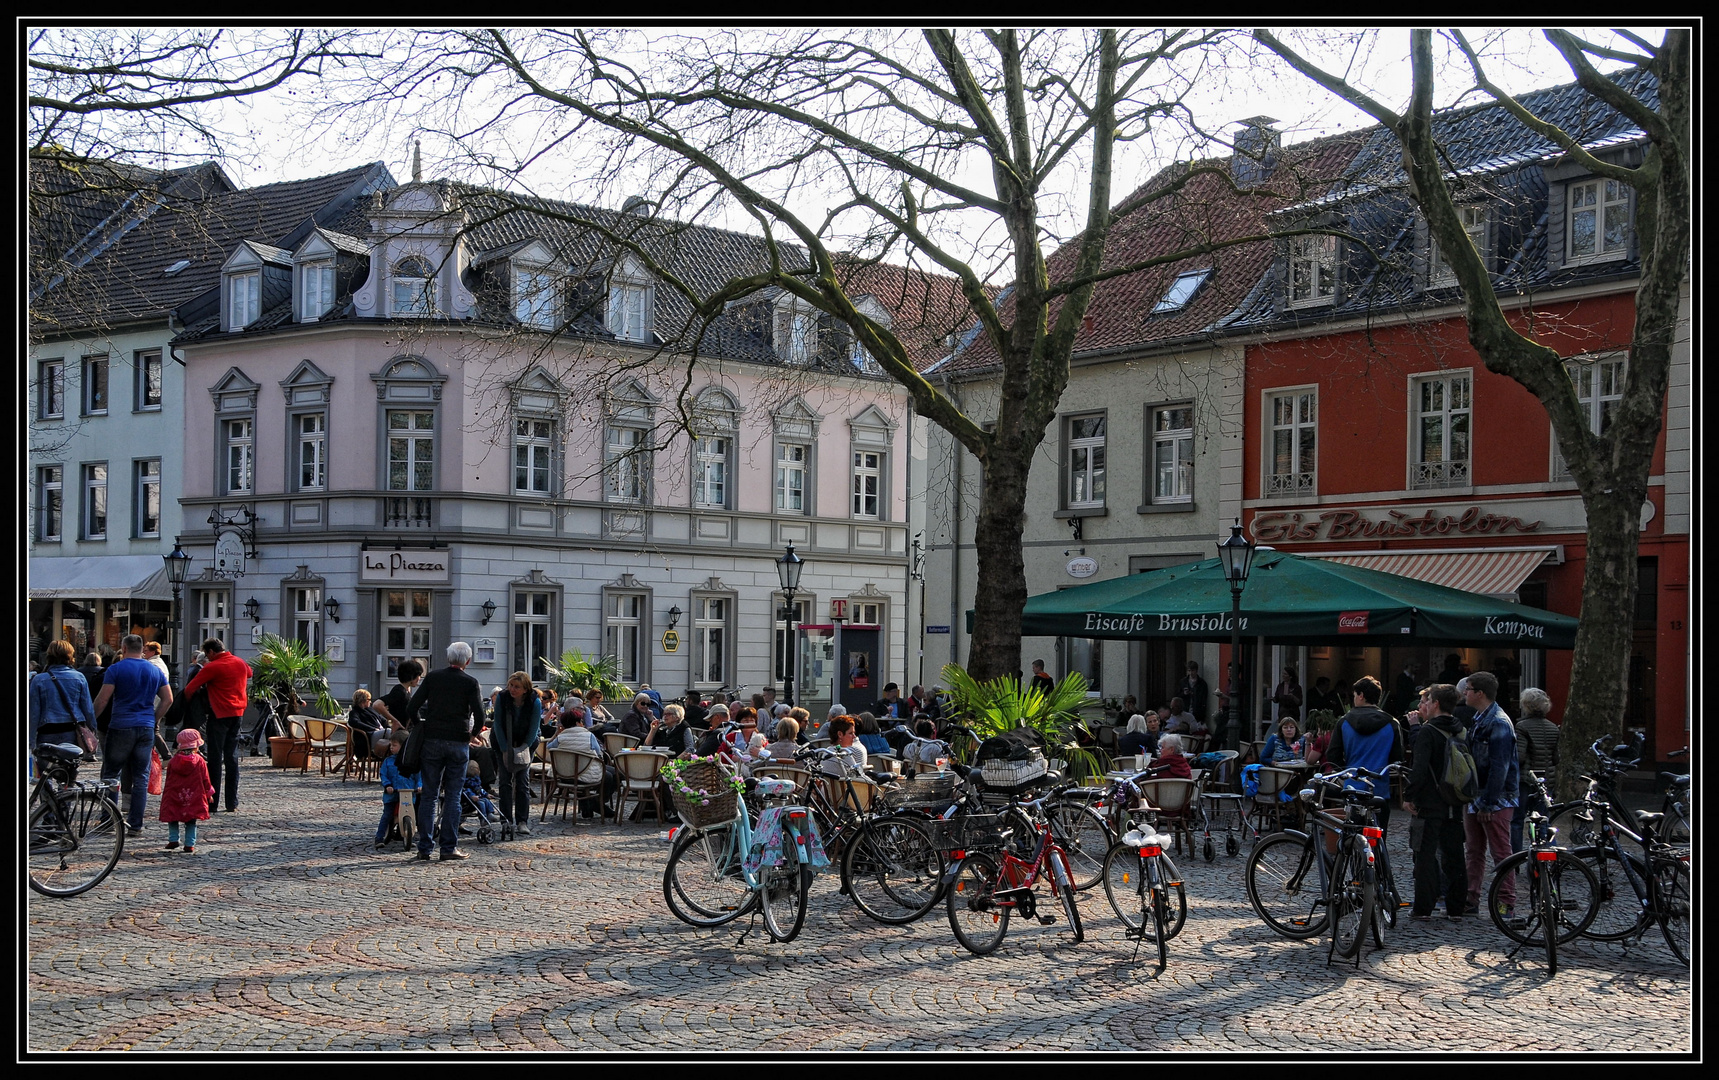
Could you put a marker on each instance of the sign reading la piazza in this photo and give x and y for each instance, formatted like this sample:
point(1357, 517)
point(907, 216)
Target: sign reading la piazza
point(1352, 524)
point(403, 567)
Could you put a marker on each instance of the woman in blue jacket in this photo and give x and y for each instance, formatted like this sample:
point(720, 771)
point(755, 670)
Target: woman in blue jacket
point(1285, 744)
point(514, 732)
point(59, 699)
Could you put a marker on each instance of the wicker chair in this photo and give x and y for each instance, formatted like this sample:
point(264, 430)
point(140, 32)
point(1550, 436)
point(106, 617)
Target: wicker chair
point(327, 738)
point(636, 776)
point(562, 783)
point(801, 776)
point(358, 757)
point(1174, 801)
point(614, 742)
point(1268, 807)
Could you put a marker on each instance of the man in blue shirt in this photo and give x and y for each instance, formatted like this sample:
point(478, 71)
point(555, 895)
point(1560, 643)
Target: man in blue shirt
point(140, 697)
point(1487, 823)
point(1368, 738)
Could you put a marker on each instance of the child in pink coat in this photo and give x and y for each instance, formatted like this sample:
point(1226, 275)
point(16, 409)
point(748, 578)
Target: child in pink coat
point(186, 791)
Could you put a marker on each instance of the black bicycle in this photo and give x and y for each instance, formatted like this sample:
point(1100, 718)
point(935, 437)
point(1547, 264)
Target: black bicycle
point(1556, 894)
point(76, 830)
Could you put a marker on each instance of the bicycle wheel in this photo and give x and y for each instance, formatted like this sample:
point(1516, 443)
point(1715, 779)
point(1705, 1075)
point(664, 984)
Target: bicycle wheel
point(1390, 900)
point(1671, 905)
point(892, 870)
point(1566, 883)
point(1083, 834)
point(783, 894)
point(1124, 885)
point(1283, 886)
point(1160, 916)
point(1573, 825)
point(978, 920)
point(1070, 908)
point(702, 882)
point(1619, 911)
point(1175, 896)
point(75, 842)
point(1352, 900)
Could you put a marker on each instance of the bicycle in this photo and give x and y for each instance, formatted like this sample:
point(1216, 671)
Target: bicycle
point(76, 829)
point(1139, 861)
point(1555, 888)
point(983, 890)
point(1356, 891)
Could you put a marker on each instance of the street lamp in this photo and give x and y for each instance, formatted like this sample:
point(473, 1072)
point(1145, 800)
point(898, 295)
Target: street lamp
point(1236, 554)
point(788, 569)
point(178, 568)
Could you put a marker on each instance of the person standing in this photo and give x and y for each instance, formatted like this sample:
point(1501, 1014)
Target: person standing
point(1040, 681)
point(59, 699)
point(514, 733)
point(394, 702)
point(449, 703)
point(1487, 823)
point(225, 675)
point(1441, 829)
point(1288, 695)
point(186, 793)
point(140, 696)
point(1194, 691)
point(1537, 741)
point(1367, 737)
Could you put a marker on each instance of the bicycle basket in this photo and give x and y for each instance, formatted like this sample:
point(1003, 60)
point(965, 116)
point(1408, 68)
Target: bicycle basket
point(967, 831)
point(1013, 774)
point(926, 789)
point(722, 804)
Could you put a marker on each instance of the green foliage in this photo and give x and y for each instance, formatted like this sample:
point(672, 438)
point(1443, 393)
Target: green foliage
point(284, 664)
point(1002, 704)
point(574, 673)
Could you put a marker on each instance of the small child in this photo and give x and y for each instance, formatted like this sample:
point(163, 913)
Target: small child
point(186, 793)
point(393, 783)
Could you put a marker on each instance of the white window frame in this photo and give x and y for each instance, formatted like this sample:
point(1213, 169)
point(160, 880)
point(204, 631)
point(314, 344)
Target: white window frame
point(1298, 482)
point(89, 383)
point(305, 613)
point(51, 389)
point(1181, 291)
point(239, 454)
point(310, 450)
point(50, 502)
point(1598, 368)
point(1179, 442)
point(712, 471)
point(1607, 195)
point(213, 618)
point(864, 470)
point(804, 607)
point(414, 301)
point(244, 298)
point(624, 629)
point(93, 476)
point(1086, 463)
point(1315, 256)
point(408, 449)
point(533, 455)
point(628, 315)
point(316, 289)
point(712, 633)
point(626, 469)
point(1447, 399)
point(146, 361)
point(787, 467)
point(147, 484)
point(533, 622)
point(1475, 219)
point(535, 295)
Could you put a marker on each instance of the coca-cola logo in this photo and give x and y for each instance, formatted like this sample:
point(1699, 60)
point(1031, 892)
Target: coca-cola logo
point(1352, 622)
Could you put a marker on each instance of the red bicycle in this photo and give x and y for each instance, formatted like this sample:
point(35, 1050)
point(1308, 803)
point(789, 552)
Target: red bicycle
point(985, 887)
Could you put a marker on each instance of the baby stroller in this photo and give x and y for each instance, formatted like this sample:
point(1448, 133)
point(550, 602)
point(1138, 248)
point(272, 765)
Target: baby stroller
point(476, 803)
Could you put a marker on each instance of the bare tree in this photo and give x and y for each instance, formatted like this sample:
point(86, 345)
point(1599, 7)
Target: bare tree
point(1611, 468)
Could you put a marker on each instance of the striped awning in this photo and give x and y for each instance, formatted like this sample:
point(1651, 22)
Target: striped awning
point(1499, 572)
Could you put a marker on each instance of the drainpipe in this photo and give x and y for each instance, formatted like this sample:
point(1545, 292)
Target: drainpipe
point(955, 623)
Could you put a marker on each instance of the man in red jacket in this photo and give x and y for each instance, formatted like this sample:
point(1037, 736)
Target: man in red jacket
point(225, 675)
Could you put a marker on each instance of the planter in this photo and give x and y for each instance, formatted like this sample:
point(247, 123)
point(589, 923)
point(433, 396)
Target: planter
point(286, 752)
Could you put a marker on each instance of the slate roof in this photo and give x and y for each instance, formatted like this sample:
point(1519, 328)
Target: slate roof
point(126, 282)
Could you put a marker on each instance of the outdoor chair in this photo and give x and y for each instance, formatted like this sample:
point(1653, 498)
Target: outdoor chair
point(538, 774)
point(1174, 801)
point(562, 783)
point(327, 738)
point(1267, 805)
point(614, 742)
point(358, 758)
point(636, 777)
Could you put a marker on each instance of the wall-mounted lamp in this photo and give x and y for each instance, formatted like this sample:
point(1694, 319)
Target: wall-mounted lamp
point(331, 608)
point(488, 611)
point(674, 616)
point(254, 608)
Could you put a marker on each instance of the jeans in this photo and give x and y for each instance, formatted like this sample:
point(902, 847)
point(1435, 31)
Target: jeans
point(1493, 834)
point(1440, 848)
point(1528, 800)
point(127, 749)
point(223, 755)
point(515, 792)
point(190, 833)
point(444, 771)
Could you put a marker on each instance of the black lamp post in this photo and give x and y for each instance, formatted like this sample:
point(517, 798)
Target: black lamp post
point(788, 569)
point(1236, 554)
point(178, 568)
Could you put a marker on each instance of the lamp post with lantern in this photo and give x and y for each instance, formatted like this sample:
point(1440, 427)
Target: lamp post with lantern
point(178, 568)
point(1236, 554)
point(788, 570)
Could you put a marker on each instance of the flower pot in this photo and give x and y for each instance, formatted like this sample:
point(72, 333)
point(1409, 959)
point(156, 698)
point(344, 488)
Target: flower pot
point(286, 752)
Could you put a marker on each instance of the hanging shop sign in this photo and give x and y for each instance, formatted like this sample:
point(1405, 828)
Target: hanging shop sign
point(229, 554)
point(403, 567)
point(1082, 567)
point(671, 641)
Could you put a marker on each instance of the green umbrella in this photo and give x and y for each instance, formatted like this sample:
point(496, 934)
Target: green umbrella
point(1293, 599)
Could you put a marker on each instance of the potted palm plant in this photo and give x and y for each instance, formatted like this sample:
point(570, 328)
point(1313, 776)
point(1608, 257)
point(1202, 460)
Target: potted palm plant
point(1002, 704)
point(575, 673)
point(290, 677)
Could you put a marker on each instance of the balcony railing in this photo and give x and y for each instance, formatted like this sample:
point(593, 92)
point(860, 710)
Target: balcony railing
point(1288, 485)
point(407, 512)
point(1439, 474)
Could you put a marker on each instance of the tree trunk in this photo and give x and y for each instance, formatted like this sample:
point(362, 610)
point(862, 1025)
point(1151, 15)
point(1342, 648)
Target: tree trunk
point(1001, 590)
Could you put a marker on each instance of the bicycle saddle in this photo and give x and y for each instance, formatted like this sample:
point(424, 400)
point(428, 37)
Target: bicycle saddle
point(769, 785)
point(60, 751)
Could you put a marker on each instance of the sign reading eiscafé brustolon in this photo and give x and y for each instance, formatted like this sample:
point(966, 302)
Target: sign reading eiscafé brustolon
point(403, 567)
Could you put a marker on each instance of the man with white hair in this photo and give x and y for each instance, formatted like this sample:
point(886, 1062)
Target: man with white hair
point(450, 705)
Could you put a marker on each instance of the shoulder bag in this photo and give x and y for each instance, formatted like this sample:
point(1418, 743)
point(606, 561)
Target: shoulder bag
point(87, 740)
point(412, 754)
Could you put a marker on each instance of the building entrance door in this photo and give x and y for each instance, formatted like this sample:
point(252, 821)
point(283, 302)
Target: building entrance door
point(862, 681)
point(405, 629)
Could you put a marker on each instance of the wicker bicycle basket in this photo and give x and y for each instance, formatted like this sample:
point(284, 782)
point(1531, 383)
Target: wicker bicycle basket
point(926, 789)
point(723, 804)
point(967, 831)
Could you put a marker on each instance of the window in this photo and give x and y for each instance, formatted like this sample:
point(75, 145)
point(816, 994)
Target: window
point(1294, 416)
point(1173, 454)
point(411, 450)
point(797, 336)
point(1086, 461)
point(95, 501)
point(51, 389)
point(1085, 655)
point(312, 439)
point(860, 614)
point(628, 310)
point(414, 279)
point(212, 621)
point(533, 440)
point(1474, 224)
point(790, 478)
point(406, 622)
point(534, 304)
point(868, 484)
point(1598, 221)
point(710, 640)
point(95, 386)
point(532, 615)
point(148, 498)
point(1181, 291)
point(50, 487)
point(1441, 435)
point(710, 472)
point(148, 365)
point(623, 632)
point(306, 606)
point(318, 289)
point(625, 464)
point(1312, 270)
point(862, 359)
point(1599, 387)
point(803, 608)
point(240, 456)
point(243, 298)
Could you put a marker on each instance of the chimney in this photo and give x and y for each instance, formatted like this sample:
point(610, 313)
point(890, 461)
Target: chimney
point(1256, 146)
point(638, 204)
point(417, 168)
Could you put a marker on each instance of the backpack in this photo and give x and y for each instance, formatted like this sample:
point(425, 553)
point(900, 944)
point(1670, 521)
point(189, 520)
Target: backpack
point(1459, 779)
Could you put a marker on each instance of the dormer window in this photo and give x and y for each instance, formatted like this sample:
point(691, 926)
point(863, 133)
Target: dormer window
point(535, 294)
point(796, 331)
point(629, 307)
point(1598, 221)
point(1312, 270)
point(1182, 290)
point(244, 299)
point(414, 277)
point(316, 289)
point(1473, 220)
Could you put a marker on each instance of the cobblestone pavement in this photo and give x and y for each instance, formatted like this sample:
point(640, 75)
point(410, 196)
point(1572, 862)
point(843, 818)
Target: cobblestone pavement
point(285, 931)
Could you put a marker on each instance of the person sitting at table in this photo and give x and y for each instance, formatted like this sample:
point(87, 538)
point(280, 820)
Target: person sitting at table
point(1140, 737)
point(783, 749)
point(1285, 743)
point(1182, 721)
point(671, 733)
point(871, 735)
point(842, 737)
point(1170, 763)
point(926, 753)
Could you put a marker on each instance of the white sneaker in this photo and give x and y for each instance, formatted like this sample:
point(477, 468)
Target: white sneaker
point(522, 829)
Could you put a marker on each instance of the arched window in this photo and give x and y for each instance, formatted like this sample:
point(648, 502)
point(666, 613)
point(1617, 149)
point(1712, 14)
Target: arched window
point(414, 280)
